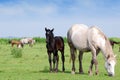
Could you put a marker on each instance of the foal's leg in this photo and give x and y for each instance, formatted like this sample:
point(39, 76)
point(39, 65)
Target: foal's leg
point(63, 60)
point(55, 61)
point(73, 50)
point(50, 61)
point(80, 62)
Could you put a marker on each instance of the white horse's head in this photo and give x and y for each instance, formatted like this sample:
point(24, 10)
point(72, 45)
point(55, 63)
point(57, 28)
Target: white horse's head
point(110, 66)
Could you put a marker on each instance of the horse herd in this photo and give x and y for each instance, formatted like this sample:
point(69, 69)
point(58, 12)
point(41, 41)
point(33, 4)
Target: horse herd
point(83, 38)
point(20, 43)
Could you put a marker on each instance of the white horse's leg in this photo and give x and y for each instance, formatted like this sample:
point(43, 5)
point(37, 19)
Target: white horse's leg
point(93, 61)
point(73, 50)
point(96, 66)
point(80, 62)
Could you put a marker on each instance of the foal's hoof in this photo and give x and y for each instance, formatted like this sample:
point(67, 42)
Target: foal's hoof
point(56, 70)
point(81, 72)
point(50, 71)
point(63, 71)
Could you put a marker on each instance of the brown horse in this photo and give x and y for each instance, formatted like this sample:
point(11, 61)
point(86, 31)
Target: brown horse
point(114, 42)
point(15, 42)
point(53, 45)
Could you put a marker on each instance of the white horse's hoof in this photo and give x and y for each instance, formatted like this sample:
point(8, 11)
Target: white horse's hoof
point(90, 73)
point(73, 72)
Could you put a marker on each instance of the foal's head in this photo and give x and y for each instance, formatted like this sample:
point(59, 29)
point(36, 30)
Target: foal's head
point(49, 35)
point(110, 65)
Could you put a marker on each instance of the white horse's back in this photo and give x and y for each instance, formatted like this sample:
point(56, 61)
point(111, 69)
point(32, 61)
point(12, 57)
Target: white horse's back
point(98, 39)
point(81, 37)
point(77, 35)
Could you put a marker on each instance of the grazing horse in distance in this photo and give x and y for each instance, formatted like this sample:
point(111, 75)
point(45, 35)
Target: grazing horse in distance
point(16, 42)
point(113, 42)
point(53, 45)
point(29, 41)
point(92, 39)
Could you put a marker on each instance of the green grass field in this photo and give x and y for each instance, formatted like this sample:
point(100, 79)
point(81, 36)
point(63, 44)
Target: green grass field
point(33, 65)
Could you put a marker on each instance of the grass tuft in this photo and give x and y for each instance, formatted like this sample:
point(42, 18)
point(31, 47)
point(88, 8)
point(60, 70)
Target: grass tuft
point(16, 52)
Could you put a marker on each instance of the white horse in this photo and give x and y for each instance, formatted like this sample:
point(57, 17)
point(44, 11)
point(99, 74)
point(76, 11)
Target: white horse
point(29, 41)
point(92, 39)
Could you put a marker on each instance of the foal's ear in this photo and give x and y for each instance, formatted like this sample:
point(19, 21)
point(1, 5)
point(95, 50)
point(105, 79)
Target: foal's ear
point(52, 30)
point(45, 29)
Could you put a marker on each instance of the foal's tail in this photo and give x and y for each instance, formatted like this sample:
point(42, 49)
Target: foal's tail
point(62, 40)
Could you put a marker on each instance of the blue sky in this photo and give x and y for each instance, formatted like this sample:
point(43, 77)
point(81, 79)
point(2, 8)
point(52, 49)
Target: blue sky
point(28, 18)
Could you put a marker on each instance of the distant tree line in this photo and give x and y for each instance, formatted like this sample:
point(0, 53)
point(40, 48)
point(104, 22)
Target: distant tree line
point(43, 40)
point(37, 40)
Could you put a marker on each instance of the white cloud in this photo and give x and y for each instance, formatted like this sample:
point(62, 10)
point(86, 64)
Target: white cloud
point(43, 10)
point(36, 16)
point(26, 8)
point(11, 10)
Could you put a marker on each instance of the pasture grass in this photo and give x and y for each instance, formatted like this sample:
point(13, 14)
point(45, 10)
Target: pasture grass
point(33, 65)
point(16, 52)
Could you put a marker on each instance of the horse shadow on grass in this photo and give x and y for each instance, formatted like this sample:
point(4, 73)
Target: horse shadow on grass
point(65, 72)
point(46, 70)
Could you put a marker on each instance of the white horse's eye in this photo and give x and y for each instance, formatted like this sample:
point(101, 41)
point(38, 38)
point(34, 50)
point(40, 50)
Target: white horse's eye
point(109, 64)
